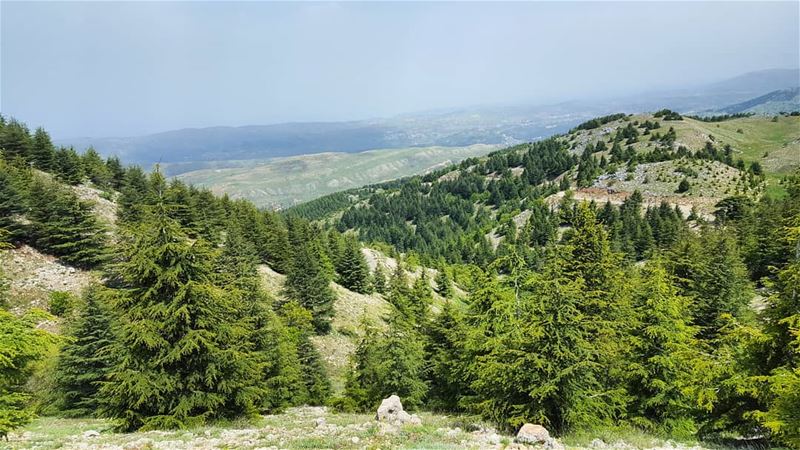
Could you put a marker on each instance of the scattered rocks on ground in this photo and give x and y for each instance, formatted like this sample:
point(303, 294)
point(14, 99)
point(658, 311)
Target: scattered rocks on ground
point(88, 434)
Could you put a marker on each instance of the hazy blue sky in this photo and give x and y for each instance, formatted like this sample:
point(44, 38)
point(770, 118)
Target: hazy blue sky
point(110, 69)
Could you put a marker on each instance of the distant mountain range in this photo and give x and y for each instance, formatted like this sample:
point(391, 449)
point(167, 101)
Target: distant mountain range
point(784, 100)
point(497, 125)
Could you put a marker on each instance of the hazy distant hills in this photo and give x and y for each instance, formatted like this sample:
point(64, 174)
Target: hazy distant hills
point(449, 129)
point(784, 100)
point(498, 125)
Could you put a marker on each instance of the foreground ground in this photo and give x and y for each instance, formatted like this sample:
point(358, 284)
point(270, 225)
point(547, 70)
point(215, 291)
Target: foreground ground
point(307, 428)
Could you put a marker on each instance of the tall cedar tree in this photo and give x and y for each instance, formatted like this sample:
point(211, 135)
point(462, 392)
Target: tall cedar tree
point(445, 365)
point(183, 352)
point(273, 344)
point(667, 353)
point(21, 344)
point(67, 166)
point(308, 283)
point(15, 140)
point(444, 286)
point(85, 359)
point(315, 379)
point(64, 225)
point(42, 151)
point(379, 280)
point(387, 363)
point(352, 268)
point(13, 184)
point(782, 396)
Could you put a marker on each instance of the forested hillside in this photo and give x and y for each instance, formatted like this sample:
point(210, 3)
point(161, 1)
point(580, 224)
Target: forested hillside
point(665, 303)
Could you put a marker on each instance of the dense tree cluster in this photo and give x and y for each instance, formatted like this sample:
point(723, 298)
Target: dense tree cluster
point(573, 315)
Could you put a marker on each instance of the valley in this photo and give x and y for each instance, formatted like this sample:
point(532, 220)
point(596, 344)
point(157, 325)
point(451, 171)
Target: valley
point(435, 286)
point(283, 182)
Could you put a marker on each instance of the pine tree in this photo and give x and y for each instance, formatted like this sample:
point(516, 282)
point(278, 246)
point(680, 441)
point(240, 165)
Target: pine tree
point(183, 352)
point(21, 344)
point(64, 225)
point(85, 360)
point(276, 248)
point(352, 268)
point(67, 166)
point(782, 394)
point(308, 284)
point(667, 352)
point(399, 294)
point(117, 172)
point(274, 343)
point(95, 168)
point(379, 280)
point(534, 359)
point(445, 362)
point(133, 192)
point(12, 198)
point(421, 299)
point(42, 151)
point(15, 141)
point(444, 286)
point(316, 385)
point(388, 363)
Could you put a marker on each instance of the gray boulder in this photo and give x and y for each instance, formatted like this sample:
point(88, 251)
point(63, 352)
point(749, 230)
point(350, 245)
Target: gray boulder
point(391, 411)
point(532, 434)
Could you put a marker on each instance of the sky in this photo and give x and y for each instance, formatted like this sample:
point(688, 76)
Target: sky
point(124, 69)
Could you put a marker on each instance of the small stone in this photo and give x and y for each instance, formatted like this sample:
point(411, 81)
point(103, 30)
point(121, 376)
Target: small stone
point(355, 439)
point(319, 421)
point(597, 443)
point(553, 444)
point(493, 439)
point(532, 434)
point(88, 434)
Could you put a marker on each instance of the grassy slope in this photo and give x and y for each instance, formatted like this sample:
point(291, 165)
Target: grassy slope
point(776, 145)
point(351, 311)
point(287, 181)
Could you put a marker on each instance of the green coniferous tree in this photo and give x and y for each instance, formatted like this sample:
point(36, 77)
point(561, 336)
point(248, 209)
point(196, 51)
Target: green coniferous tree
point(667, 353)
point(184, 355)
point(64, 225)
point(67, 166)
point(421, 299)
point(13, 184)
point(15, 140)
point(782, 393)
point(21, 344)
point(444, 285)
point(95, 168)
point(389, 363)
point(307, 282)
point(353, 269)
point(132, 199)
point(316, 385)
point(117, 172)
point(379, 280)
point(444, 355)
point(85, 360)
point(42, 150)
